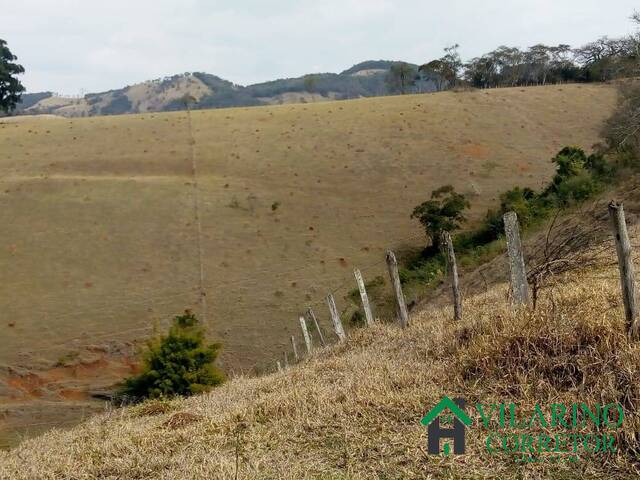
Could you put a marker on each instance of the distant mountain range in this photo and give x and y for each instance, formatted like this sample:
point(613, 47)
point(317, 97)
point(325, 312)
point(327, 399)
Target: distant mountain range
point(203, 90)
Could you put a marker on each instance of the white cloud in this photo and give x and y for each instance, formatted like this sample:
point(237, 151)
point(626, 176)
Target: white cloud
point(66, 45)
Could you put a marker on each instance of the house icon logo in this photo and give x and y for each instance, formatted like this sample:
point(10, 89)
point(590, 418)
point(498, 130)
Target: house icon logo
point(456, 421)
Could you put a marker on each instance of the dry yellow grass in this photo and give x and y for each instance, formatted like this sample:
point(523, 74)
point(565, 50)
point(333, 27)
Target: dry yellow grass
point(353, 410)
point(102, 238)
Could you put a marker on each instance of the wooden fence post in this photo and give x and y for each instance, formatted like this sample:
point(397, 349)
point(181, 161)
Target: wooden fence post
point(312, 316)
point(295, 348)
point(625, 265)
point(519, 286)
point(335, 318)
point(279, 365)
point(305, 334)
point(455, 285)
point(364, 297)
point(403, 314)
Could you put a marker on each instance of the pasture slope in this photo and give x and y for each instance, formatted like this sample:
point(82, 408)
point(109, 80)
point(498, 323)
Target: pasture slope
point(101, 243)
point(353, 411)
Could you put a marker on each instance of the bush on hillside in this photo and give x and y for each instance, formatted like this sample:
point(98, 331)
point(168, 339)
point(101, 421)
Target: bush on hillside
point(578, 177)
point(529, 206)
point(577, 189)
point(442, 213)
point(179, 363)
point(424, 270)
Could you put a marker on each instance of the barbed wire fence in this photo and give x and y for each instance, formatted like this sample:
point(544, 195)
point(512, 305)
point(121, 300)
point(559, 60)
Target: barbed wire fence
point(566, 248)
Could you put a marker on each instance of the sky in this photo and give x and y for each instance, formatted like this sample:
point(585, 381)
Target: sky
point(80, 46)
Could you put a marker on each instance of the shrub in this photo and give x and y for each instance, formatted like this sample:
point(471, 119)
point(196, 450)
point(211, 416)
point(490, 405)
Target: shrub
point(529, 206)
point(176, 364)
point(577, 188)
point(425, 272)
point(598, 166)
point(519, 200)
point(578, 176)
point(569, 161)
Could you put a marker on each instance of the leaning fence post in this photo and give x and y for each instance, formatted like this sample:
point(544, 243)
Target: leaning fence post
point(305, 334)
point(312, 316)
point(392, 264)
point(364, 297)
point(455, 285)
point(295, 348)
point(519, 286)
point(625, 265)
point(335, 317)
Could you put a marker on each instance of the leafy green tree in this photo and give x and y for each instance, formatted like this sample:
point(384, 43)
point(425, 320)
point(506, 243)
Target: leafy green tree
point(177, 364)
point(442, 213)
point(445, 69)
point(440, 71)
point(310, 82)
point(400, 77)
point(10, 87)
point(453, 64)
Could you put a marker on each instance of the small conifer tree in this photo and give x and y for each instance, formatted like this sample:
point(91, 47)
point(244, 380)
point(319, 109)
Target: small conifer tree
point(179, 363)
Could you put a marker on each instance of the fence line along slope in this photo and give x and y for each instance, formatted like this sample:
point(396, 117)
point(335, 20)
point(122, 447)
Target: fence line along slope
point(359, 404)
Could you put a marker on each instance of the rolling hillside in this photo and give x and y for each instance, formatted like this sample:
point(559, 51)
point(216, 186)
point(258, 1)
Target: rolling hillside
point(366, 79)
point(105, 215)
point(353, 411)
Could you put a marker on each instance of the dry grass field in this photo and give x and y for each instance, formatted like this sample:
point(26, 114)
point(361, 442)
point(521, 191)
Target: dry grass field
point(100, 239)
point(353, 411)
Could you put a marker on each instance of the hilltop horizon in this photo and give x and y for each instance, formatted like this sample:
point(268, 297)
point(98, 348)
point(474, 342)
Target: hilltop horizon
point(204, 90)
point(221, 77)
point(95, 46)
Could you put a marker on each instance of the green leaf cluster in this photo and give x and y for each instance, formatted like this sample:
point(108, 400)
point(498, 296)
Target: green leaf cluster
point(442, 213)
point(177, 364)
point(10, 87)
